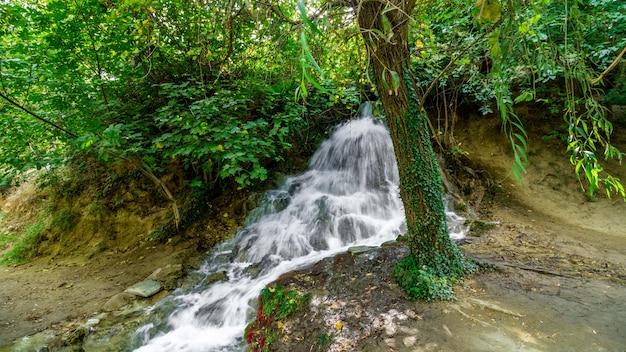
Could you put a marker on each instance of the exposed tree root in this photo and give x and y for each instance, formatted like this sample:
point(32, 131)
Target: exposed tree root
point(524, 267)
point(458, 309)
point(492, 306)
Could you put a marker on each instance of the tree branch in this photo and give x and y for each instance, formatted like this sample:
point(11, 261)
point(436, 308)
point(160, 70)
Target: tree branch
point(95, 52)
point(453, 60)
point(279, 12)
point(17, 105)
point(612, 66)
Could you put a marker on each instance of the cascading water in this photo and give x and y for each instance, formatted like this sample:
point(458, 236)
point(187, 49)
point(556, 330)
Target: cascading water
point(348, 197)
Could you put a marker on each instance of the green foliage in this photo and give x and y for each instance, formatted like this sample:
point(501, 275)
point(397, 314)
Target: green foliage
point(547, 53)
point(617, 95)
point(217, 136)
point(275, 303)
point(22, 246)
point(157, 82)
point(6, 238)
point(559, 133)
point(64, 220)
point(325, 340)
point(279, 303)
point(578, 44)
point(421, 282)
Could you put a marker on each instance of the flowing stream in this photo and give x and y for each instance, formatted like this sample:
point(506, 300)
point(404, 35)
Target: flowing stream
point(348, 197)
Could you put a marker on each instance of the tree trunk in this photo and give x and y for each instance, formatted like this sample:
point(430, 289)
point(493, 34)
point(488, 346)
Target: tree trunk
point(420, 183)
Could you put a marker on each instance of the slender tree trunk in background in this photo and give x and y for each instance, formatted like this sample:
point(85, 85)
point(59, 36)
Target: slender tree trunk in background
point(420, 183)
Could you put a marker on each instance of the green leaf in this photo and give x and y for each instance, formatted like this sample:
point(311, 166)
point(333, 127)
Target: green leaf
point(312, 60)
point(489, 10)
point(305, 18)
point(303, 91)
point(386, 23)
point(395, 81)
point(519, 151)
point(494, 43)
point(519, 127)
point(525, 96)
point(516, 173)
point(521, 139)
point(388, 8)
point(385, 84)
point(315, 83)
point(380, 34)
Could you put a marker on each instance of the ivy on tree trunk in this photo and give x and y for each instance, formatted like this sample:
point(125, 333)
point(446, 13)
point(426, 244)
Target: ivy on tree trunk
point(435, 261)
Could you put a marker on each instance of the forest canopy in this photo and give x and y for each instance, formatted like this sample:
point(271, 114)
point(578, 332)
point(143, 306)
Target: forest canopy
point(223, 89)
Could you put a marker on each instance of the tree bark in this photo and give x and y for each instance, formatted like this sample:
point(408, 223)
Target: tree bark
point(420, 183)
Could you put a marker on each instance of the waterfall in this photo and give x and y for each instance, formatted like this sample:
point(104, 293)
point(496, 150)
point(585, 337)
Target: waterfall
point(349, 196)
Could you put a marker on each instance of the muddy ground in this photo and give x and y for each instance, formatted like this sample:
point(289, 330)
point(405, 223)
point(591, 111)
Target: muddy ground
point(558, 283)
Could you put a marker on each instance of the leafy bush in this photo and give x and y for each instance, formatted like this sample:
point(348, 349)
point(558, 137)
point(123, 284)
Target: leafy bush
point(146, 88)
point(422, 282)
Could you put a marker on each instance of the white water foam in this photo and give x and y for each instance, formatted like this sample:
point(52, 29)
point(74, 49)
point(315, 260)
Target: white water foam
point(348, 197)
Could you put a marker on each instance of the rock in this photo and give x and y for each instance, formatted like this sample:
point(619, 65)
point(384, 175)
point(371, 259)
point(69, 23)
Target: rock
point(118, 301)
point(389, 243)
point(77, 336)
point(360, 249)
point(92, 322)
point(165, 274)
point(217, 277)
point(155, 274)
point(130, 311)
point(168, 276)
point(145, 289)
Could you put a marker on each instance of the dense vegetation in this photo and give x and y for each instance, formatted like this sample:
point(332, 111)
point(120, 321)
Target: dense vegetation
point(220, 91)
point(206, 87)
point(210, 85)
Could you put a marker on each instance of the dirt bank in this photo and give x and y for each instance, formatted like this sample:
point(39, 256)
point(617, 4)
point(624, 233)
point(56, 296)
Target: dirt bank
point(107, 249)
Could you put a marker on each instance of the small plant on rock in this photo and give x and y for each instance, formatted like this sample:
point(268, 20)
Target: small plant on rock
point(275, 303)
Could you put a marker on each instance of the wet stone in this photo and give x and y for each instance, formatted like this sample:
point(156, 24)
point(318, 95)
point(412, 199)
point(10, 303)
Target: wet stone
point(165, 274)
point(118, 301)
point(77, 336)
point(389, 243)
point(217, 277)
point(130, 311)
point(360, 249)
point(145, 289)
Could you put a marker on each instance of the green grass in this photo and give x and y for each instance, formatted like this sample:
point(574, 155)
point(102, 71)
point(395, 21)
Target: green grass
point(22, 246)
point(6, 239)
